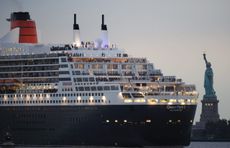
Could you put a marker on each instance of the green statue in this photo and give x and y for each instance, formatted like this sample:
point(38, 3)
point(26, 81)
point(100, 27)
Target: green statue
point(208, 79)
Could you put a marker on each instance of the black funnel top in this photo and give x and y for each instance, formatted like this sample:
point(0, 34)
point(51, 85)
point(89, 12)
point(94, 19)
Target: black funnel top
point(75, 25)
point(19, 16)
point(103, 26)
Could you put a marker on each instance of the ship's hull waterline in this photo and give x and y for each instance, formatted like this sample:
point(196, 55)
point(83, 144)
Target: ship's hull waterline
point(102, 125)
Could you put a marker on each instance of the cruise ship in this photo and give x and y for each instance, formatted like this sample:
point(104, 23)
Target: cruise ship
point(89, 93)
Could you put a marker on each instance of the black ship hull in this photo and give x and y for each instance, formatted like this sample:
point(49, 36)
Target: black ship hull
point(105, 125)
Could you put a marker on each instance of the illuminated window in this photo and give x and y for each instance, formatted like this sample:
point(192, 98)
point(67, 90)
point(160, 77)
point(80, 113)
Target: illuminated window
point(139, 100)
point(163, 101)
point(148, 121)
point(126, 95)
point(128, 100)
point(172, 100)
point(152, 101)
point(181, 101)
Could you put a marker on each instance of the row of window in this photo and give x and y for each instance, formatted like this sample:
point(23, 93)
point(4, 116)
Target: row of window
point(42, 80)
point(40, 84)
point(84, 79)
point(63, 72)
point(30, 56)
point(76, 94)
point(54, 101)
point(111, 73)
point(86, 83)
point(28, 68)
point(28, 74)
point(29, 62)
point(63, 66)
point(64, 79)
point(126, 121)
point(208, 104)
point(110, 66)
point(135, 95)
point(97, 88)
point(53, 95)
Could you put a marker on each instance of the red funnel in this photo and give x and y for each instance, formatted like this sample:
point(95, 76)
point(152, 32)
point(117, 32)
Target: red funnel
point(27, 32)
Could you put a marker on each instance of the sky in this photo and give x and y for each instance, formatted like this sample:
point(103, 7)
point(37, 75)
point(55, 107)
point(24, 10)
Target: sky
point(172, 34)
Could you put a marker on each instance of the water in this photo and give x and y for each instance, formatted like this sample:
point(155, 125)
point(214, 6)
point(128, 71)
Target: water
point(209, 145)
point(192, 145)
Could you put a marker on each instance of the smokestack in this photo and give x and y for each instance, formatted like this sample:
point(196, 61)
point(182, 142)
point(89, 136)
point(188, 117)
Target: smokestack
point(75, 18)
point(75, 25)
point(27, 27)
point(76, 32)
point(103, 26)
point(104, 34)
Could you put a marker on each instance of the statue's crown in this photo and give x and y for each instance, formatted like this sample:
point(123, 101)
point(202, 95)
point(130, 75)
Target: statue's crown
point(209, 64)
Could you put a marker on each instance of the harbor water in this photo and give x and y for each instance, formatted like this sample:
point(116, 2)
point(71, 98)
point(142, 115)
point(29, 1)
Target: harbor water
point(209, 145)
point(192, 145)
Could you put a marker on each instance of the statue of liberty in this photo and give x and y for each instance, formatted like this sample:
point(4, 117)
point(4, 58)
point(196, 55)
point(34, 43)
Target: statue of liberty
point(208, 79)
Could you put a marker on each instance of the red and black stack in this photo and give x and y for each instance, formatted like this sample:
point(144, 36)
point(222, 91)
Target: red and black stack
point(27, 31)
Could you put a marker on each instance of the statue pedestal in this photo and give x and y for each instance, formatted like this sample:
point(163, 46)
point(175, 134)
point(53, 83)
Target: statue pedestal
point(209, 111)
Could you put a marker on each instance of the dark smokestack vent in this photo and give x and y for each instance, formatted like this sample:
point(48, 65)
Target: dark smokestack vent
point(75, 25)
point(103, 26)
point(19, 16)
point(102, 19)
point(75, 18)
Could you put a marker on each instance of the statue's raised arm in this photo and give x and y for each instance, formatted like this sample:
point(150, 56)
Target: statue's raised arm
point(205, 58)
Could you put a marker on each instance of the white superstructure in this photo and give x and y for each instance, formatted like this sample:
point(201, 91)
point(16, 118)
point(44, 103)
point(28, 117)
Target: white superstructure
point(84, 73)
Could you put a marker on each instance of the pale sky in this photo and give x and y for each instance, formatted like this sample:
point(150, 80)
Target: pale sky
point(172, 34)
